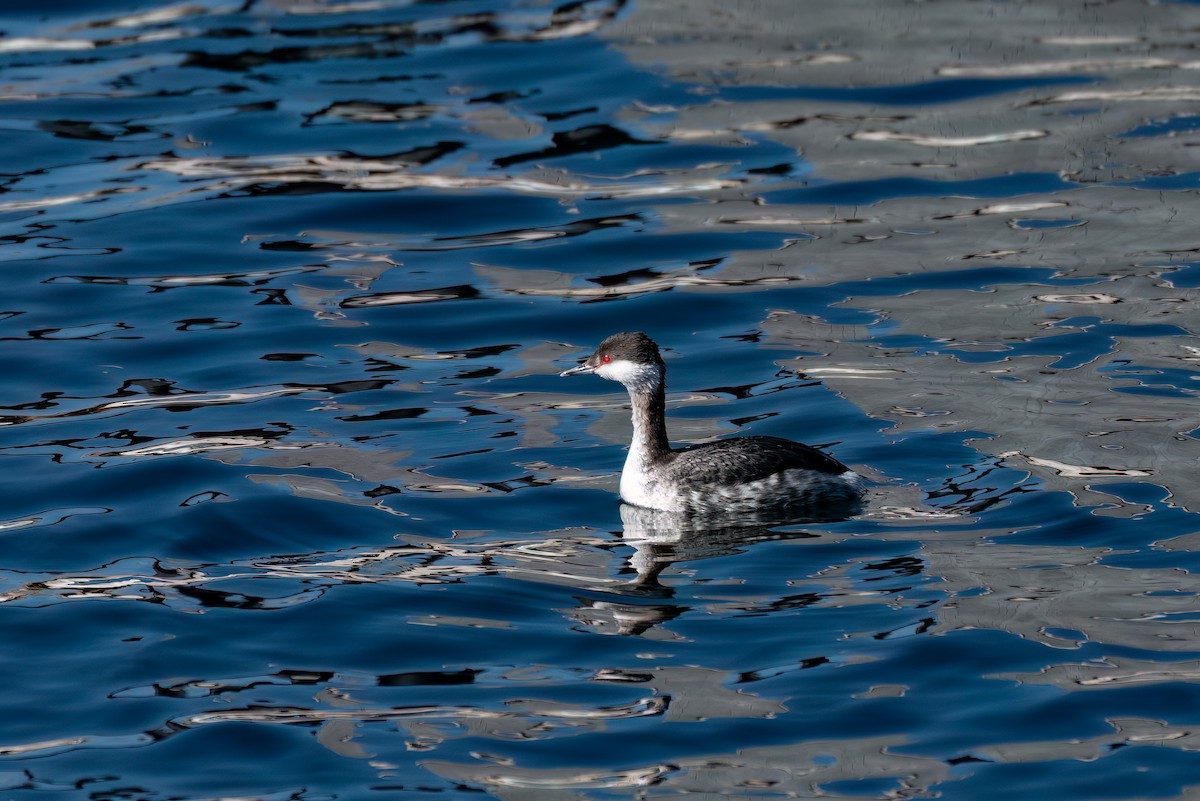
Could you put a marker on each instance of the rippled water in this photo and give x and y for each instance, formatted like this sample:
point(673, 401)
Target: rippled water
point(296, 506)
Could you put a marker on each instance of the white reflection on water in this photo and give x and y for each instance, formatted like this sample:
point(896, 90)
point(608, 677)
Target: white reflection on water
point(378, 176)
point(947, 141)
point(799, 770)
point(1096, 64)
point(1032, 592)
point(1110, 673)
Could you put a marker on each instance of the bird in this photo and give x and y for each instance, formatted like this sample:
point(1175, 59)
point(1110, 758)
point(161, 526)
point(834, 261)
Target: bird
point(756, 475)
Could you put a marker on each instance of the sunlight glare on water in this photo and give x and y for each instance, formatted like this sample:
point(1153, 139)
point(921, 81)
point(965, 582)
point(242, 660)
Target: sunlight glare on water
point(297, 506)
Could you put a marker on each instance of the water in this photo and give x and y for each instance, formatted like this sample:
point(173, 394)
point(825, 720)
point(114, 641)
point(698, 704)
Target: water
point(296, 506)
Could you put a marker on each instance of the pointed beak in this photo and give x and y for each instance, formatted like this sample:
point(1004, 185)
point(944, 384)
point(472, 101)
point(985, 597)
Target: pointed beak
point(582, 369)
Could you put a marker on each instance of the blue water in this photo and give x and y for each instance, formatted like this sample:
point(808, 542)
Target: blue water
point(297, 507)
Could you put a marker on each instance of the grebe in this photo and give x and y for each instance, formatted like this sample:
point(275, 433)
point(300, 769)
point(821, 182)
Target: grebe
point(758, 475)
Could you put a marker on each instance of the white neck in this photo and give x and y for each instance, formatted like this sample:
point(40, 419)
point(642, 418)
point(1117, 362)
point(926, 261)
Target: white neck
point(647, 396)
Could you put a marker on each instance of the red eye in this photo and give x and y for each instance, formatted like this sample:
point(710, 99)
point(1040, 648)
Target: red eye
point(606, 358)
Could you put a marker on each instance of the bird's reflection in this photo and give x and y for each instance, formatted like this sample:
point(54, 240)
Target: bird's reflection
point(660, 538)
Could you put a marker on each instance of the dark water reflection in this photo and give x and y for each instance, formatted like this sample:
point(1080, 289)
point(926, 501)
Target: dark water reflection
point(293, 489)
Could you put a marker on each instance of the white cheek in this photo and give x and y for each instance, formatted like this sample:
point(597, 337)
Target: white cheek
point(628, 373)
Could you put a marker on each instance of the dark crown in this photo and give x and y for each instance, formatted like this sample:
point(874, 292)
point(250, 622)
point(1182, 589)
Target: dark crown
point(632, 346)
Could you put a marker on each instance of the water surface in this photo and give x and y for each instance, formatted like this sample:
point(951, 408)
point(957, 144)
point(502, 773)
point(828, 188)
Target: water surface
point(297, 507)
